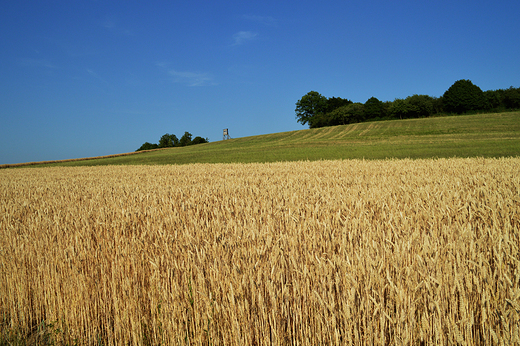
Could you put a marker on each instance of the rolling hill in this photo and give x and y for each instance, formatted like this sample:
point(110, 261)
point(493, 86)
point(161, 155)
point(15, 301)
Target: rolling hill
point(482, 135)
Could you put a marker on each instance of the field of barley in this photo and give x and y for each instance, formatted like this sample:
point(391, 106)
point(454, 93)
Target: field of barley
point(394, 252)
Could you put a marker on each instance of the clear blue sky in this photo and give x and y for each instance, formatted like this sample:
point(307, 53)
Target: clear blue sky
point(85, 78)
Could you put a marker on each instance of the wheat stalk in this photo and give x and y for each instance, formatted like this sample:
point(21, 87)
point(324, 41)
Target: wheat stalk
point(301, 253)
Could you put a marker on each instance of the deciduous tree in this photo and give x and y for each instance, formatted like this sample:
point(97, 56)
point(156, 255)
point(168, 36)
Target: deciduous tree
point(463, 96)
point(335, 103)
point(512, 98)
point(310, 105)
point(185, 139)
point(168, 140)
point(148, 146)
point(199, 140)
point(373, 109)
point(419, 106)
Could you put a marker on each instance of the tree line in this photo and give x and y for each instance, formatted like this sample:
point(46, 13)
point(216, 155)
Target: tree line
point(169, 140)
point(461, 98)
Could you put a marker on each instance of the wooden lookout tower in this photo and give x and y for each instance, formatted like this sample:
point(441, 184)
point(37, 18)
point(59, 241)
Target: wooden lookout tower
point(226, 135)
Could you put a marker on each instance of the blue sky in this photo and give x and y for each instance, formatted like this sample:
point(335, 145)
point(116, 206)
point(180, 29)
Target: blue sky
point(83, 78)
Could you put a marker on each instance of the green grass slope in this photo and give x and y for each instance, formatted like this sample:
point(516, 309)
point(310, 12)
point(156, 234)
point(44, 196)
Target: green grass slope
point(483, 135)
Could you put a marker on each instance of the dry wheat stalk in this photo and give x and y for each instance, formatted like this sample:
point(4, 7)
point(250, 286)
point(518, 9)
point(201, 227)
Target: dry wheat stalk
point(304, 253)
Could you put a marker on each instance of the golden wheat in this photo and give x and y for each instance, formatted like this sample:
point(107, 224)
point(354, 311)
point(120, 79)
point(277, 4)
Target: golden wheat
point(305, 253)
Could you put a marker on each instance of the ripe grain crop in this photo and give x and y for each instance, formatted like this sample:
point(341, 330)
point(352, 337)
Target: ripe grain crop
point(398, 252)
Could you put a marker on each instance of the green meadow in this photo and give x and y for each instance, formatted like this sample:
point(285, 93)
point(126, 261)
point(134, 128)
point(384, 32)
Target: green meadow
point(480, 135)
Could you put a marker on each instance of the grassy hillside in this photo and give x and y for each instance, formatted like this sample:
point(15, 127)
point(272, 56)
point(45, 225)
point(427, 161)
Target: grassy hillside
point(485, 135)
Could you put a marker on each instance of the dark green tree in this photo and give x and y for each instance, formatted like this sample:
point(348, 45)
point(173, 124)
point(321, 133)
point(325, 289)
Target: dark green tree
point(336, 102)
point(398, 109)
point(319, 120)
point(185, 139)
point(352, 113)
point(199, 140)
point(419, 106)
point(355, 112)
point(167, 141)
point(511, 98)
point(463, 96)
point(373, 109)
point(310, 105)
point(148, 146)
point(348, 114)
point(327, 119)
point(492, 99)
point(175, 140)
point(437, 105)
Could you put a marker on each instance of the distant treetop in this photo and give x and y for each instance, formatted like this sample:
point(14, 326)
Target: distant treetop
point(462, 97)
point(168, 141)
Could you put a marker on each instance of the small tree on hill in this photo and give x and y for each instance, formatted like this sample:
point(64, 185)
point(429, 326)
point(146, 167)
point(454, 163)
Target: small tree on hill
point(185, 139)
point(148, 146)
point(310, 105)
point(463, 96)
point(373, 109)
point(168, 141)
point(199, 140)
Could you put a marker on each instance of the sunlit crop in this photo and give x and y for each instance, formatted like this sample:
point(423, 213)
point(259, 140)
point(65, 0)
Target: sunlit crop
point(398, 252)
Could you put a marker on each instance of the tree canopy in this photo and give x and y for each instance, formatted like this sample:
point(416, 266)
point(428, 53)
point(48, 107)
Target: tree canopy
point(148, 146)
point(169, 140)
point(463, 96)
point(373, 108)
point(185, 139)
point(309, 106)
point(315, 109)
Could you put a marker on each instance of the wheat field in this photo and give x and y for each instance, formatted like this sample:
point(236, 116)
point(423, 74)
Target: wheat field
point(394, 252)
